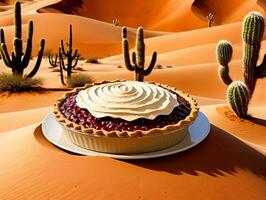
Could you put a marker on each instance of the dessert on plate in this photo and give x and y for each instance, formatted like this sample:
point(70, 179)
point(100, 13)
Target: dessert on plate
point(125, 117)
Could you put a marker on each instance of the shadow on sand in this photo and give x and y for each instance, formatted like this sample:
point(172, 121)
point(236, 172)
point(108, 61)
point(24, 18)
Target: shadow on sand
point(220, 154)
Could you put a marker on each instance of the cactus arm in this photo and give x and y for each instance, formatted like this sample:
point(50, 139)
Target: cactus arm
point(18, 20)
point(223, 72)
point(76, 62)
point(2, 36)
point(75, 54)
point(224, 53)
point(63, 48)
point(134, 58)
point(61, 60)
point(261, 69)
point(152, 64)
point(5, 55)
point(50, 59)
point(140, 48)
point(39, 60)
point(61, 67)
point(27, 55)
point(126, 56)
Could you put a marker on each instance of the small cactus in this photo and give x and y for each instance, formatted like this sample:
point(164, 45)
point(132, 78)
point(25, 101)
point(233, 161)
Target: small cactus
point(19, 60)
point(116, 22)
point(138, 57)
point(72, 56)
point(238, 98)
point(210, 18)
point(253, 29)
point(52, 60)
point(224, 52)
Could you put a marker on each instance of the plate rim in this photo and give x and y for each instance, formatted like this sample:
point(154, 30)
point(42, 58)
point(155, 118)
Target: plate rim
point(140, 156)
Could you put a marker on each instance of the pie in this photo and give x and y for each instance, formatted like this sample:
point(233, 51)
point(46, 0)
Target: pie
point(125, 117)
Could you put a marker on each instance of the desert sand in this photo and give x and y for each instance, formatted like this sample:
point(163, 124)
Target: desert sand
point(229, 164)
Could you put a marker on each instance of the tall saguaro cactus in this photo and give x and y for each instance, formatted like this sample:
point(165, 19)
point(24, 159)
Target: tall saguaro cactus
point(19, 60)
point(138, 57)
point(253, 29)
point(72, 56)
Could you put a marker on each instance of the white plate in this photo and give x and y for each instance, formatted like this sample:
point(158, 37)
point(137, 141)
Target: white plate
point(198, 131)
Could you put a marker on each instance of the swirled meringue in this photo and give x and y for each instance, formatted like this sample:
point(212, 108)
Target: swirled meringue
point(128, 100)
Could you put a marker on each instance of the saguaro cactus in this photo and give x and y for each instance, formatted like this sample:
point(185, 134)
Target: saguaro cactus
point(238, 98)
point(138, 57)
point(210, 18)
point(19, 60)
point(253, 29)
point(53, 60)
point(116, 22)
point(72, 56)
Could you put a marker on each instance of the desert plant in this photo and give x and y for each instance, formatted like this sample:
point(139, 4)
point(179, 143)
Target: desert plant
point(158, 67)
point(138, 57)
point(115, 22)
point(19, 60)
point(53, 60)
point(16, 83)
point(78, 80)
point(92, 60)
point(210, 18)
point(252, 34)
point(238, 98)
point(69, 54)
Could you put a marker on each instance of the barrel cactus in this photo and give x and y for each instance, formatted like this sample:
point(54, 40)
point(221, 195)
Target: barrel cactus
point(19, 60)
point(252, 34)
point(138, 57)
point(238, 98)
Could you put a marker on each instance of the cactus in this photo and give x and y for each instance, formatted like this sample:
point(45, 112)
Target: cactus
point(253, 29)
point(19, 60)
point(238, 98)
point(224, 52)
point(52, 60)
point(210, 18)
point(61, 67)
point(138, 57)
point(116, 22)
point(69, 54)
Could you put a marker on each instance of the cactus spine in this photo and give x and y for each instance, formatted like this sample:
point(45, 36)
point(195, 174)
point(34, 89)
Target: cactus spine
point(138, 57)
point(72, 56)
point(238, 98)
point(52, 60)
point(210, 18)
point(19, 61)
point(253, 29)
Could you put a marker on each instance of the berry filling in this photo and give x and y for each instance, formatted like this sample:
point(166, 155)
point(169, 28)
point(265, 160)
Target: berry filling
point(83, 117)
